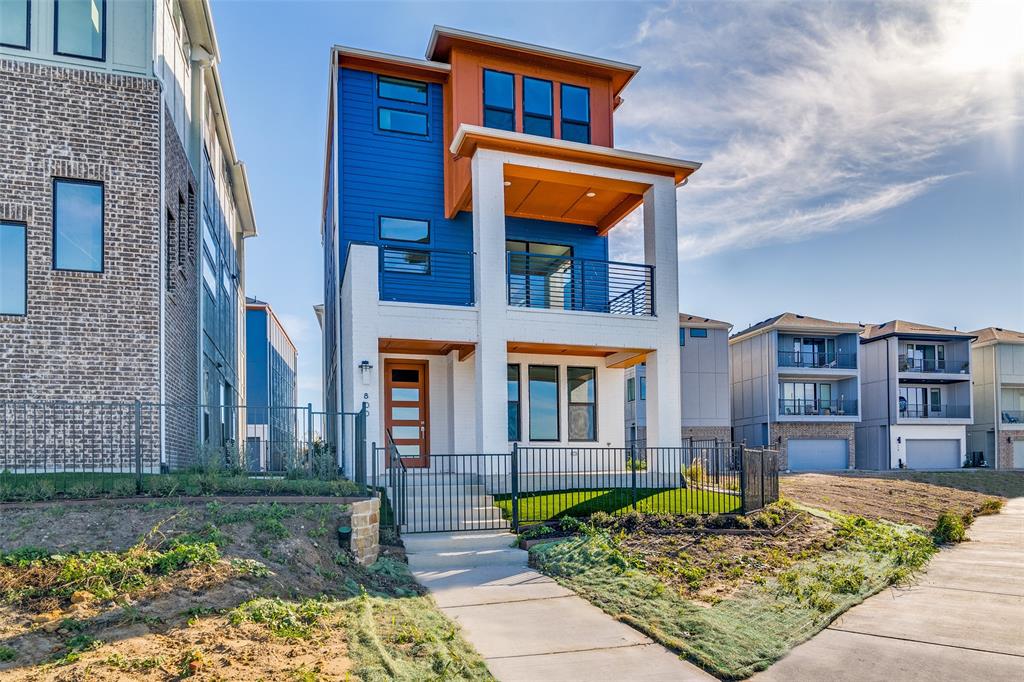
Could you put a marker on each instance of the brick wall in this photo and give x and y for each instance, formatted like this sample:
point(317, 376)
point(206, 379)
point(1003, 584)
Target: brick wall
point(722, 433)
point(1005, 449)
point(789, 430)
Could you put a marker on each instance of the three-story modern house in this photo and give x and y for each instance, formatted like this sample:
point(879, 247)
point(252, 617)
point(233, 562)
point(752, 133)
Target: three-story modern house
point(123, 209)
point(704, 384)
point(916, 396)
point(996, 437)
point(271, 391)
point(796, 387)
point(470, 298)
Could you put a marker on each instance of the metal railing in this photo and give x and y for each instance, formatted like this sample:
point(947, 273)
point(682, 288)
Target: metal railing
point(414, 274)
point(818, 359)
point(938, 366)
point(819, 408)
point(581, 284)
point(934, 411)
point(1012, 417)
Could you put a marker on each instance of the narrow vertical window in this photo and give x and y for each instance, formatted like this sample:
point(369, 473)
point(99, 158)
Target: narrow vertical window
point(77, 225)
point(575, 113)
point(537, 107)
point(630, 389)
point(583, 403)
point(172, 249)
point(643, 388)
point(682, 336)
point(543, 402)
point(80, 28)
point(13, 268)
point(499, 100)
point(15, 23)
point(513, 403)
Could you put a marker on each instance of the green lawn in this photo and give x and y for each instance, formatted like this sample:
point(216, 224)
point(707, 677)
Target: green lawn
point(544, 506)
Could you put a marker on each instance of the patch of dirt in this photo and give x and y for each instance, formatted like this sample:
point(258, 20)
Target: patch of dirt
point(880, 497)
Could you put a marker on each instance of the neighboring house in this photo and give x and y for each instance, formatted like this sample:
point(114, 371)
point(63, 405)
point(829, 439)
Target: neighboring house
point(916, 388)
point(271, 391)
point(997, 365)
point(469, 295)
point(704, 381)
point(123, 209)
point(796, 387)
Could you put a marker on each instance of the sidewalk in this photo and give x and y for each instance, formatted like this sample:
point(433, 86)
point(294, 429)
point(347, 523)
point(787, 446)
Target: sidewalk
point(523, 623)
point(964, 619)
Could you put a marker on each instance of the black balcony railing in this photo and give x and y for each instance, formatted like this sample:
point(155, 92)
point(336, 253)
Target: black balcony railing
point(567, 283)
point(934, 365)
point(935, 411)
point(819, 408)
point(1013, 417)
point(818, 359)
point(414, 274)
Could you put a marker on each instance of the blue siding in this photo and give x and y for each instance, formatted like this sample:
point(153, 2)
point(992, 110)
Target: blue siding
point(257, 390)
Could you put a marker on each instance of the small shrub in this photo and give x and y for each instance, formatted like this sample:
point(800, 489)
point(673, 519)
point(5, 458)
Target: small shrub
point(534, 532)
point(285, 619)
point(7, 654)
point(990, 506)
point(602, 519)
point(256, 569)
point(744, 522)
point(570, 524)
point(695, 473)
point(950, 528)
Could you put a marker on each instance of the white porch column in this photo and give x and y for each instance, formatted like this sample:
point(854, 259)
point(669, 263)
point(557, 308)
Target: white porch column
point(490, 284)
point(664, 411)
point(359, 296)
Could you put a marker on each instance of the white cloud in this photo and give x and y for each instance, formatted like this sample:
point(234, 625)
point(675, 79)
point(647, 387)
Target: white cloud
point(809, 118)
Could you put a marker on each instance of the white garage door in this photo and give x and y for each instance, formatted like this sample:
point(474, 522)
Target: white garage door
point(1018, 454)
point(926, 453)
point(826, 454)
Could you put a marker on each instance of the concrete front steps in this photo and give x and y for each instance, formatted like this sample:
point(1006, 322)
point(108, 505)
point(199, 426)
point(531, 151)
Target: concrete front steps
point(449, 508)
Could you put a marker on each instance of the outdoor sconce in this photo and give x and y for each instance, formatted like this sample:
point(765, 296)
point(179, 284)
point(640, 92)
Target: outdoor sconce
point(899, 439)
point(364, 371)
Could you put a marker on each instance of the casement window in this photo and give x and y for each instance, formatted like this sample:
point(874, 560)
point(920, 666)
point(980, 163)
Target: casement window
point(630, 389)
point(538, 109)
point(544, 414)
point(682, 336)
point(15, 23)
point(499, 100)
point(80, 28)
point(13, 267)
point(698, 333)
point(77, 225)
point(582, 383)
point(575, 113)
point(404, 230)
point(400, 121)
point(514, 392)
point(401, 90)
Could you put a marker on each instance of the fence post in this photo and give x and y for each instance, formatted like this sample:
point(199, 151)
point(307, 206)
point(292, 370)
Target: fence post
point(743, 477)
point(632, 466)
point(762, 476)
point(138, 447)
point(515, 487)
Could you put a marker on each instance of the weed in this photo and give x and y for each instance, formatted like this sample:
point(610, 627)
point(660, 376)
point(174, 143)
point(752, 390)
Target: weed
point(951, 527)
point(285, 619)
point(256, 569)
point(7, 654)
point(602, 519)
point(208, 533)
point(538, 531)
point(304, 674)
point(122, 662)
point(191, 663)
point(990, 506)
point(72, 625)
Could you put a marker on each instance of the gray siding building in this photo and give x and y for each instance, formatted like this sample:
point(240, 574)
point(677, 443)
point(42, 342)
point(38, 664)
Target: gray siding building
point(997, 364)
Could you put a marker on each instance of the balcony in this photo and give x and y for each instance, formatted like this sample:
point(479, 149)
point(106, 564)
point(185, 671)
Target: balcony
point(579, 284)
point(934, 411)
point(818, 359)
point(817, 408)
point(934, 366)
point(413, 274)
point(1012, 417)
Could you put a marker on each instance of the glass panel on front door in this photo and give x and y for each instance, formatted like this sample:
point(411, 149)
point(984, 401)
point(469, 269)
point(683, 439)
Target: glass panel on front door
point(405, 410)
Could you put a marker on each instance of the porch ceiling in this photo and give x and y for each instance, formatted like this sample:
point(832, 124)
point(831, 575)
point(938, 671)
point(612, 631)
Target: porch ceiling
point(615, 357)
point(422, 347)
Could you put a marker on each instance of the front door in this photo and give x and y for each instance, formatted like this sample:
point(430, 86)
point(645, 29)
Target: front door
point(406, 415)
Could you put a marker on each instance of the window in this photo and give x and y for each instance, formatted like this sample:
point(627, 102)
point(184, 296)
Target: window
point(935, 400)
point(537, 107)
point(171, 249)
point(539, 275)
point(543, 402)
point(630, 389)
point(499, 100)
point(698, 333)
point(397, 121)
point(582, 403)
point(13, 268)
point(406, 261)
point(80, 28)
point(78, 225)
point(513, 403)
point(575, 113)
point(210, 276)
point(405, 230)
point(643, 388)
point(15, 23)
point(401, 90)
point(682, 336)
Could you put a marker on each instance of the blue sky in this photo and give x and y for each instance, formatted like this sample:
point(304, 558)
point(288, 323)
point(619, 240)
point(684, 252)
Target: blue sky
point(862, 162)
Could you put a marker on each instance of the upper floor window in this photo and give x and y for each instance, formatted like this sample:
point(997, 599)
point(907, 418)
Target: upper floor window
point(13, 267)
point(537, 107)
point(698, 333)
point(15, 22)
point(499, 100)
point(80, 28)
point(398, 121)
point(682, 336)
point(405, 230)
point(401, 90)
point(643, 388)
point(77, 225)
point(575, 113)
point(630, 389)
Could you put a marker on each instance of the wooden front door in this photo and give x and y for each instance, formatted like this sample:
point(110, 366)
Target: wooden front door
point(406, 409)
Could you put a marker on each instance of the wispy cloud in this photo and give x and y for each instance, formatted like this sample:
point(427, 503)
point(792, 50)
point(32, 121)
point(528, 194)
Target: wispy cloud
point(810, 118)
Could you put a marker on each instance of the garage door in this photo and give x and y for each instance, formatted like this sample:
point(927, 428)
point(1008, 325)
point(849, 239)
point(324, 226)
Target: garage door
point(925, 453)
point(826, 454)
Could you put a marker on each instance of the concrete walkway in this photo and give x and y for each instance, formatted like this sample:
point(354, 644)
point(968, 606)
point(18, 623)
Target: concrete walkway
point(963, 620)
point(524, 624)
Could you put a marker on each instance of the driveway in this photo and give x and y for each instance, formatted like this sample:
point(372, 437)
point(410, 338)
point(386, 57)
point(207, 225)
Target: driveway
point(964, 619)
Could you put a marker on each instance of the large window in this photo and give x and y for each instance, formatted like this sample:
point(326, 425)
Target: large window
point(582, 383)
point(499, 100)
point(401, 90)
point(575, 113)
point(543, 402)
point(537, 107)
point(15, 22)
point(80, 28)
point(398, 121)
point(405, 230)
point(539, 275)
point(13, 267)
point(77, 225)
point(513, 403)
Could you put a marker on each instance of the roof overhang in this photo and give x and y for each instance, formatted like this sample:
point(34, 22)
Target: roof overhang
point(702, 322)
point(391, 64)
point(239, 176)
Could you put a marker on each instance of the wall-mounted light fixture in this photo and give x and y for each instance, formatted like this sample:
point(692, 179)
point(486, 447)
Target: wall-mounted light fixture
point(364, 371)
